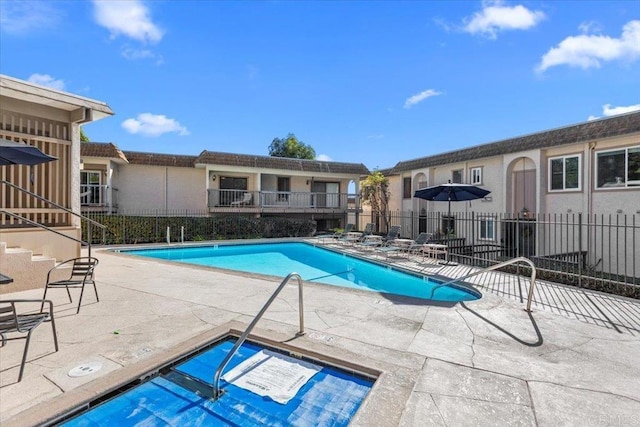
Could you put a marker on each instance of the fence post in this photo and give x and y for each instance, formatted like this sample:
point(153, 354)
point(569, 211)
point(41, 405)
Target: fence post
point(473, 237)
point(580, 249)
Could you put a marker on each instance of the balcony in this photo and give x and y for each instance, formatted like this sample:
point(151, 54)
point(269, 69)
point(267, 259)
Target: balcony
point(278, 201)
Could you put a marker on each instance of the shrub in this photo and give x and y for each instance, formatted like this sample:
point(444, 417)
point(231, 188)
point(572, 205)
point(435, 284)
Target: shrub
point(125, 229)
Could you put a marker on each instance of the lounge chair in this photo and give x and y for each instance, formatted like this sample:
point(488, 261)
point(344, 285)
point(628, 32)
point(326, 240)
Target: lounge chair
point(81, 274)
point(419, 242)
point(406, 246)
point(394, 233)
point(12, 321)
point(338, 234)
point(246, 200)
point(346, 234)
point(359, 237)
point(377, 241)
point(368, 230)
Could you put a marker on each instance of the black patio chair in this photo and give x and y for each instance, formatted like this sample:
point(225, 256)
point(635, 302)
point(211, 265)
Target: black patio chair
point(81, 274)
point(12, 321)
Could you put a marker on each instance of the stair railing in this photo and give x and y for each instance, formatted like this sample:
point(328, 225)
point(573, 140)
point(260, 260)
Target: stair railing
point(90, 222)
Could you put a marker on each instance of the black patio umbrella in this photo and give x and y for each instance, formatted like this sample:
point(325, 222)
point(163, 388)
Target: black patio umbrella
point(451, 193)
point(17, 153)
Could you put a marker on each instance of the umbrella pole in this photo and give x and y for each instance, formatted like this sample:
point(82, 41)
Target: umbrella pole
point(448, 230)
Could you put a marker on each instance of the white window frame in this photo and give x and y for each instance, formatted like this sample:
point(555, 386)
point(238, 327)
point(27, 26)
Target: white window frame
point(625, 183)
point(86, 200)
point(475, 175)
point(564, 173)
point(483, 222)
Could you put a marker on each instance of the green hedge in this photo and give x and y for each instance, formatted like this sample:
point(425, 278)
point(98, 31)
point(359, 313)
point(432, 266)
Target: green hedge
point(124, 229)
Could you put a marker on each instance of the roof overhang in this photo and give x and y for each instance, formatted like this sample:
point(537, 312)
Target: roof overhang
point(83, 110)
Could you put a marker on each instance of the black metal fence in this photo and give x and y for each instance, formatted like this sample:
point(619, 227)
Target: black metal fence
point(599, 252)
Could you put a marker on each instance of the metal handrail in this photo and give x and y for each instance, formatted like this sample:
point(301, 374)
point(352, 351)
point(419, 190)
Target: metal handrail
point(37, 196)
point(45, 227)
point(216, 378)
point(89, 220)
point(495, 267)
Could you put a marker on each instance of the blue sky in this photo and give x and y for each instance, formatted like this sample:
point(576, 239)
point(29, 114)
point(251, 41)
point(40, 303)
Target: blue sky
point(375, 82)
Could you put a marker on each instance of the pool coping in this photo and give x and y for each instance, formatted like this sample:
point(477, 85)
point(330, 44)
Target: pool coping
point(383, 398)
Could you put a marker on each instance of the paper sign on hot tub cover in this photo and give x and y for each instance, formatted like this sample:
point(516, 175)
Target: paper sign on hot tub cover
point(272, 374)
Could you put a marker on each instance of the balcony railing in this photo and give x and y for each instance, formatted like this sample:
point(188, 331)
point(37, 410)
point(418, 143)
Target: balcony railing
point(96, 197)
point(280, 199)
point(93, 194)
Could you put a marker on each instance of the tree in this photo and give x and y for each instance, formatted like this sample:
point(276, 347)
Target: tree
point(374, 190)
point(292, 148)
point(83, 136)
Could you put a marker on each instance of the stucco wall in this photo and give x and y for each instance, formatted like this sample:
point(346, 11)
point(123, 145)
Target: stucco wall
point(143, 188)
point(43, 242)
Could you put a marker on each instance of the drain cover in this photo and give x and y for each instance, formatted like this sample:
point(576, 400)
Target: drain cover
point(85, 369)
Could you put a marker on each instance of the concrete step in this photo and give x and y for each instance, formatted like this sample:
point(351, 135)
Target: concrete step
point(27, 270)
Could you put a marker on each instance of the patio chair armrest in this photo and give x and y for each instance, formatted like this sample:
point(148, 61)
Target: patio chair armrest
point(58, 266)
point(33, 300)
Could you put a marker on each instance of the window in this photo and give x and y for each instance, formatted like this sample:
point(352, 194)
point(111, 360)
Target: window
point(618, 168)
point(564, 173)
point(406, 188)
point(232, 190)
point(90, 188)
point(233, 183)
point(476, 176)
point(456, 176)
point(487, 228)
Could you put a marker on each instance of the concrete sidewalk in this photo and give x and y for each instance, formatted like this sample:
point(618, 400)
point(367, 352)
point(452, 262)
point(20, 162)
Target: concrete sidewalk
point(572, 361)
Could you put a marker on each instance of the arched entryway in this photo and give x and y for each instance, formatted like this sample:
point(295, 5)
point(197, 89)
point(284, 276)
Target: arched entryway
point(522, 191)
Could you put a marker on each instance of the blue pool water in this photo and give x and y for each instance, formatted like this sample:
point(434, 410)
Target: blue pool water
point(330, 398)
point(313, 264)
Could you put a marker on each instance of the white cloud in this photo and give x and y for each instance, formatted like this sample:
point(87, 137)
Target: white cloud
point(46, 80)
point(413, 100)
point(324, 158)
point(22, 17)
point(130, 18)
point(495, 17)
point(586, 51)
point(376, 136)
point(608, 110)
point(133, 54)
point(589, 27)
point(147, 124)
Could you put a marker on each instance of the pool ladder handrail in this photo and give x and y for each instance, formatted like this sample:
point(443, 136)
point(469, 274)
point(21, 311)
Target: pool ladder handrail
point(495, 267)
point(216, 378)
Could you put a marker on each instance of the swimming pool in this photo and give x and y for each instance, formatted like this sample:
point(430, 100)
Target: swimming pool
point(314, 265)
point(289, 391)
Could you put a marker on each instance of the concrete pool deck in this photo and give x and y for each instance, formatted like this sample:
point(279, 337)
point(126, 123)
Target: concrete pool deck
point(572, 361)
